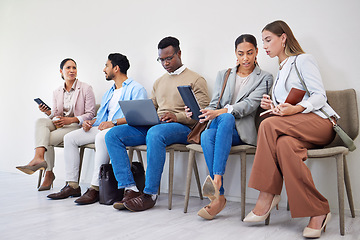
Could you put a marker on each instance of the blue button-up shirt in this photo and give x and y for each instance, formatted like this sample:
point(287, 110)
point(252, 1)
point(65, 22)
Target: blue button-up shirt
point(131, 90)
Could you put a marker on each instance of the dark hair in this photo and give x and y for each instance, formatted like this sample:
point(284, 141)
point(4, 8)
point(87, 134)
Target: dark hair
point(246, 38)
point(292, 46)
point(117, 59)
point(63, 62)
point(169, 41)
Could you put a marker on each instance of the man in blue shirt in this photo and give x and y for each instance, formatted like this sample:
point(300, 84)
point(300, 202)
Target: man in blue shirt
point(108, 116)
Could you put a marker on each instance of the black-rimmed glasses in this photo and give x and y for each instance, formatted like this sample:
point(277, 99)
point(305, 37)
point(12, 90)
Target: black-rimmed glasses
point(167, 59)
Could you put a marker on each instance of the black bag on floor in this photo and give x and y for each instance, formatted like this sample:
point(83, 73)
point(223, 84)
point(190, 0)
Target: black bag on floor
point(108, 186)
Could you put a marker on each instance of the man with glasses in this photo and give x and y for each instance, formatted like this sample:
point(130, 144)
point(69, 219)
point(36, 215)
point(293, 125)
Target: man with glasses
point(175, 128)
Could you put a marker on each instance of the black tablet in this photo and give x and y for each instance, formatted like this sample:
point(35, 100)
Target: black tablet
point(190, 101)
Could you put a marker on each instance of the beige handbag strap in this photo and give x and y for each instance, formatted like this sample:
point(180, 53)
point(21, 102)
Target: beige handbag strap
point(307, 91)
point(223, 87)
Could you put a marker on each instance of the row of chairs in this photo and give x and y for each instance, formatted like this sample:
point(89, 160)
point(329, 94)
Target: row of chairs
point(344, 103)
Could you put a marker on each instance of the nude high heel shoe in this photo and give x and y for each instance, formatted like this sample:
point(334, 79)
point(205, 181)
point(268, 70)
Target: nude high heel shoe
point(43, 187)
point(206, 215)
point(252, 217)
point(316, 233)
point(31, 169)
point(210, 190)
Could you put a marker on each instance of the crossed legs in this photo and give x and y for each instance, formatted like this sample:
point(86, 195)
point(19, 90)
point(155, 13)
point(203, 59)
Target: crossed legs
point(282, 150)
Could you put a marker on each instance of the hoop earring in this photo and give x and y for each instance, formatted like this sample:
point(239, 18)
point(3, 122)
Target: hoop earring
point(283, 44)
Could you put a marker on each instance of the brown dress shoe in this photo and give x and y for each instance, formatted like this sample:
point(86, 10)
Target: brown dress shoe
point(140, 203)
point(66, 192)
point(89, 197)
point(129, 194)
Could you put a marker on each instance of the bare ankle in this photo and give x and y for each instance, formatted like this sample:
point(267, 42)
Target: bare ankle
point(263, 203)
point(316, 222)
point(49, 174)
point(35, 161)
point(217, 180)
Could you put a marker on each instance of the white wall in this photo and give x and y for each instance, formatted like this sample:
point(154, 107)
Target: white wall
point(36, 35)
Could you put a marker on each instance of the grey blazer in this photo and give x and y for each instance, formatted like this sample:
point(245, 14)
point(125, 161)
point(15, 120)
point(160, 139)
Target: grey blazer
point(247, 102)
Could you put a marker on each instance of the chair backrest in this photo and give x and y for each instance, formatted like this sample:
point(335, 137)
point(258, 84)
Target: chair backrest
point(345, 104)
point(97, 106)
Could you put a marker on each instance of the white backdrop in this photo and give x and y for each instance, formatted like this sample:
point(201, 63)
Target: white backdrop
point(36, 35)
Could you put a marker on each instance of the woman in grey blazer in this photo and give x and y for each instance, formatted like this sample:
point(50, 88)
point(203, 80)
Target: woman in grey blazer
point(283, 139)
point(233, 122)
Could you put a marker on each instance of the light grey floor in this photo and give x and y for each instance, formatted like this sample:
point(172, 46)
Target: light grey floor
point(28, 214)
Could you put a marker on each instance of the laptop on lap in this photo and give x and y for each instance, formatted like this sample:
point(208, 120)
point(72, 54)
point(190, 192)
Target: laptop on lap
point(140, 112)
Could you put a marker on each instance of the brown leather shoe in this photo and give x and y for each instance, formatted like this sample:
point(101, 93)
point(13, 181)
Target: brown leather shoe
point(140, 203)
point(89, 197)
point(66, 192)
point(129, 194)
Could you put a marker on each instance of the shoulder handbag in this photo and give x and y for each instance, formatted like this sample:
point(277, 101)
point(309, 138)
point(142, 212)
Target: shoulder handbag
point(194, 135)
point(108, 186)
point(349, 143)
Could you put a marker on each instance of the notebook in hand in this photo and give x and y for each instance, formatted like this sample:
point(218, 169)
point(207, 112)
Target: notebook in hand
point(188, 96)
point(140, 112)
point(294, 97)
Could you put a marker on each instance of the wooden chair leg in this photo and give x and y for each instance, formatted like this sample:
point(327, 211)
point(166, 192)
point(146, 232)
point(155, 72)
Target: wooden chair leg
point(243, 183)
point(131, 154)
point(188, 179)
point(82, 150)
point(196, 172)
point(267, 221)
point(138, 152)
point(348, 188)
point(171, 177)
point(159, 185)
point(340, 183)
point(40, 177)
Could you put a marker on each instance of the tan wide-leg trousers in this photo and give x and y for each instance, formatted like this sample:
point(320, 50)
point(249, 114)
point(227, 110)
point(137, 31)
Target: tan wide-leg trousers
point(281, 151)
point(47, 136)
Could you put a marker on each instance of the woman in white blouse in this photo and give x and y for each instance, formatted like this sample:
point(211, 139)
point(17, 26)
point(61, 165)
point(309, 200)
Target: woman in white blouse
point(283, 139)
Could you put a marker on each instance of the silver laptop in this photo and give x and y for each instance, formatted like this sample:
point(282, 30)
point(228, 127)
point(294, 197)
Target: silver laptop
point(139, 112)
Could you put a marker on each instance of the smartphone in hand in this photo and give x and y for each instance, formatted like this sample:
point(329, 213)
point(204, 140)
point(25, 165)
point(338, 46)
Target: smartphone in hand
point(39, 101)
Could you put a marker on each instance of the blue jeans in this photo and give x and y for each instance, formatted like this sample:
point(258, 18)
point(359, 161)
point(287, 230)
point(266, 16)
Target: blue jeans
point(157, 138)
point(216, 142)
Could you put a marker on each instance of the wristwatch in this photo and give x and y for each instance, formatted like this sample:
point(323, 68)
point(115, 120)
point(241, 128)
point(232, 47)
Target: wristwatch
point(114, 122)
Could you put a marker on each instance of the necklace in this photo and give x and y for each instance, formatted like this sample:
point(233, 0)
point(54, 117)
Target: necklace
point(282, 65)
